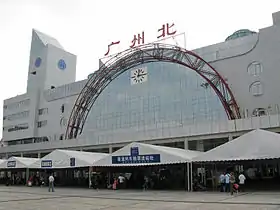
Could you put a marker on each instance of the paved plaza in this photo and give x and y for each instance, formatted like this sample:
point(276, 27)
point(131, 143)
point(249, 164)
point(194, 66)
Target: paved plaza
point(34, 198)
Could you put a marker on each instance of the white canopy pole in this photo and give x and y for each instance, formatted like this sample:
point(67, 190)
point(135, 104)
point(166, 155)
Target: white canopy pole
point(89, 176)
point(191, 174)
point(188, 174)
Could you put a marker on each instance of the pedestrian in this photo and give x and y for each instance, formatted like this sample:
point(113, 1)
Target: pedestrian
point(146, 183)
point(242, 179)
point(227, 185)
point(231, 181)
point(222, 182)
point(51, 183)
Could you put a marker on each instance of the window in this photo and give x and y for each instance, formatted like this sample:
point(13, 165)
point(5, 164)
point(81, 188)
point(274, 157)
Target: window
point(13, 128)
point(62, 108)
point(42, 123)
point(255, 68)
point(256, 88)
point(19, 104)
point(43, 111)
point(19, 115)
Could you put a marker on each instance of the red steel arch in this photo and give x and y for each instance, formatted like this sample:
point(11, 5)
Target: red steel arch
point(133, 57)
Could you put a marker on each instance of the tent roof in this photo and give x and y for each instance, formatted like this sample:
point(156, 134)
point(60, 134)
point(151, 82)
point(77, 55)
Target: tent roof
point(168, 155)
point(21, 162)
point(89, 157)
point(61, 159)
point(255, 145)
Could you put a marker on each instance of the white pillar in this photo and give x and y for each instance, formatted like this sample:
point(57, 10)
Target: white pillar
point(39, 154)
point(89, 176)
point(191, 175)
point(230, 138)
point(21, 154)
point(110, 149)
point(186, 143)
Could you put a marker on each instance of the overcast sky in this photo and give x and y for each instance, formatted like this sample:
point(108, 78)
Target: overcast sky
point(86, 27)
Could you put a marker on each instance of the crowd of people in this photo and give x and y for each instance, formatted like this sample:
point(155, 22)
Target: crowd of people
point(229, 183)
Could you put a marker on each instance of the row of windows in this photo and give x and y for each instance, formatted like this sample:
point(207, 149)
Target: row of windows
point(64, 91)
point(18, 127)
point(141, 120)
point(16, 116)
point(17, 105)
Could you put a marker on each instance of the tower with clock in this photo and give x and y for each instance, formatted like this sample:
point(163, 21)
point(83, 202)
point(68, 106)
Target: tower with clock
point(50, 65)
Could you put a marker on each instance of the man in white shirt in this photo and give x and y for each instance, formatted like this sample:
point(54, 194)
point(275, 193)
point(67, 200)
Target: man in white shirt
point(227, 184)
point(242, 179)
point(51, 183)
point(222, 182)
point(121, 179)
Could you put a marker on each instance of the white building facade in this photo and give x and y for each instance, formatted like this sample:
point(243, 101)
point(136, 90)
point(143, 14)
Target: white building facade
point(170, 106)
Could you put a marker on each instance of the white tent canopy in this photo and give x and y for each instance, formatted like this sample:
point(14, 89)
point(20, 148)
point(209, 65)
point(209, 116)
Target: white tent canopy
point(255, 145)
point(68, 159)
point(139, 154)
point(2, 161)
point(17, 162)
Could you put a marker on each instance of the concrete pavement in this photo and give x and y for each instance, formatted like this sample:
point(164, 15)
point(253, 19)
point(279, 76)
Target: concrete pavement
point(31, 198)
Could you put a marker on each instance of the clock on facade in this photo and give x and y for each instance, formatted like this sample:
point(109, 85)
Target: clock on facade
point(61, 64)
point(138, 75)
point(38, 62)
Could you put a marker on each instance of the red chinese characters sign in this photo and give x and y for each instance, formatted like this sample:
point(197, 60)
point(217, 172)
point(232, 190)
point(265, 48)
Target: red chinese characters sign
point(139, 39)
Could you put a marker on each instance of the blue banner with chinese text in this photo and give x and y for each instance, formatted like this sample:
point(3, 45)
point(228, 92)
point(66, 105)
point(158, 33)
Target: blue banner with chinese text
point(129, 159)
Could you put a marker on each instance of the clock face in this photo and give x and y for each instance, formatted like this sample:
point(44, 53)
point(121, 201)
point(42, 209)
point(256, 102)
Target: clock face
point(138, 75)
point(38, 62)
point(61, 64)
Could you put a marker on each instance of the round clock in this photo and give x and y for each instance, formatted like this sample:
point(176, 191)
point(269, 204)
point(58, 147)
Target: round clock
point(61, 64)
point(38, 62)
point(139, 75)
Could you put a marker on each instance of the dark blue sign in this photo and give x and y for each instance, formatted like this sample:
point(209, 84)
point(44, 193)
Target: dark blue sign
point(134, 151)
point(72, 162)
point(46, 163)
point(11, 164)
point(129, 159)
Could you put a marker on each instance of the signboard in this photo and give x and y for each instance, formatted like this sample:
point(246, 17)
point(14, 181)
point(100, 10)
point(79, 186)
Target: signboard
point(129, 159)
point(72, 162)
point(46, 163)
point(134, 151)
point(11, 164)
point(139, 38)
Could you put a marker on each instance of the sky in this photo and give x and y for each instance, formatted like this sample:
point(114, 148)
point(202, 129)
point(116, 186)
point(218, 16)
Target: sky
point(86, 27)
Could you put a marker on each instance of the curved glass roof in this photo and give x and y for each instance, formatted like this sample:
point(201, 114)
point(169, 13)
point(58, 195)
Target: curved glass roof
point(240, 33)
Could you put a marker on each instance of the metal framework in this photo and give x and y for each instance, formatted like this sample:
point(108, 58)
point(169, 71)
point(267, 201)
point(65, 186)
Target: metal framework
point(133, 57)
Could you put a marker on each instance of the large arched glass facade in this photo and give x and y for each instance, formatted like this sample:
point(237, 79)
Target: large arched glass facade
point(171, 96)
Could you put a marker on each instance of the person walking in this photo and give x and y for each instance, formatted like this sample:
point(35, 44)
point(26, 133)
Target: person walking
point(51, 183)
point(231, 181)
point(227, 185)
point(222, 182)
point(242, 179)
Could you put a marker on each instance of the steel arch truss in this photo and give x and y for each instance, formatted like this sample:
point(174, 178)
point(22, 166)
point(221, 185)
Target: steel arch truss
point(146, 54)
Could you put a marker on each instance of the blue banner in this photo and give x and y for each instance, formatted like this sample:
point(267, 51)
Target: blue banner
point(46, 163)
point(129, 159)
point(134, 151)
point(72, 162)
point(11, 164)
